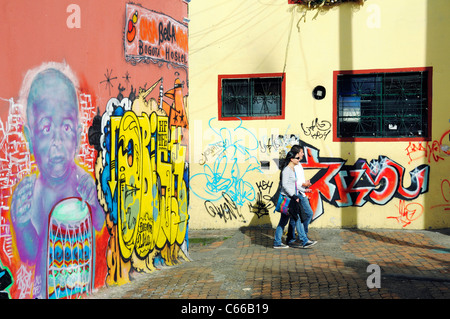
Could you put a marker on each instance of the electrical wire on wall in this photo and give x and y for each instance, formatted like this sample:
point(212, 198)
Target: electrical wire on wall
point(288, 42)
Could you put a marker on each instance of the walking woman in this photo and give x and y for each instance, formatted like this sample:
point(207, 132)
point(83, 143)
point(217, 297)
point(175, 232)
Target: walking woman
point(289, 188)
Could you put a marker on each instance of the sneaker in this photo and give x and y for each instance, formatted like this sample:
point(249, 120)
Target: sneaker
point(281, 246)
point(295, 244)
point(312, 242)
point(309, 244)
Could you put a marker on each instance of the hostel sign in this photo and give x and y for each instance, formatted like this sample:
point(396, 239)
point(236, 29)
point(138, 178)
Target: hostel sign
point(155, 37)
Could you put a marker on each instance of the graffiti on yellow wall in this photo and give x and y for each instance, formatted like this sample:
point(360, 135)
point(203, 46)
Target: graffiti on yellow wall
point(430, 151)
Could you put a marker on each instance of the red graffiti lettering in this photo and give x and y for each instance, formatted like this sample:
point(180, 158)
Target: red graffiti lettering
point(428, 150)
point(377, 182)
point(408, 213)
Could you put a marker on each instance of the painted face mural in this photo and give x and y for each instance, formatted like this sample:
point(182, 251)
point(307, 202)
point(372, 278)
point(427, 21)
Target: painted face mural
point(53, 124)
point(55, 241)
point(56, 208)
point(94, 166)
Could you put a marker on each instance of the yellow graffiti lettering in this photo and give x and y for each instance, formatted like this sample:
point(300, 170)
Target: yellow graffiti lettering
point(147, 168)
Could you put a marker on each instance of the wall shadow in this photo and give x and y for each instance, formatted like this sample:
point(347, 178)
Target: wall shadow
point(262, 235)
point(438, 20)
point(349, 217)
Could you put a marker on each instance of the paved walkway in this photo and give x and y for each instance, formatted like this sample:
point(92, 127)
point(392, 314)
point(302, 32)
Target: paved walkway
point(242, 264)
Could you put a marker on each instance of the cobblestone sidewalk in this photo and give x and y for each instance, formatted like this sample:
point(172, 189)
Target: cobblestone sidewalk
point(242, 264)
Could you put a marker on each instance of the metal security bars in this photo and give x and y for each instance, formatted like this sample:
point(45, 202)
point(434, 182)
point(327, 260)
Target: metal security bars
point(383, 105)
point(252, 97)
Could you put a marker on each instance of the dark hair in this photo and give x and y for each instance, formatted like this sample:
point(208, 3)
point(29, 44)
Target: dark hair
point(291, 154)
point(296, 148)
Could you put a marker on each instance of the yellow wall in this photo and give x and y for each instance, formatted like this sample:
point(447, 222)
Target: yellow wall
point(245, 37)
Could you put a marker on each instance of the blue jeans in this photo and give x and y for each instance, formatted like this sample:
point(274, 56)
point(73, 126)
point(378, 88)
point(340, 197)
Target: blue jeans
point(302, 227)
point(301, 233)
point(280, 229)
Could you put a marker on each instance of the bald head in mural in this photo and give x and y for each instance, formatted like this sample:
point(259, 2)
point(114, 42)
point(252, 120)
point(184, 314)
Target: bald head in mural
point(53, 133)
point(52, 128)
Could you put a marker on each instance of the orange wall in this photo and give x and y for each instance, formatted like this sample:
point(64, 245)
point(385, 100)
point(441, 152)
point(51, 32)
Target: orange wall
point(131, 230)
point(34, 32)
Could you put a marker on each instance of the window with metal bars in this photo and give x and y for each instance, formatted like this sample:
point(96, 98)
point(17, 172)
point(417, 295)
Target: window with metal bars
point(256, 96)
point(383, 105)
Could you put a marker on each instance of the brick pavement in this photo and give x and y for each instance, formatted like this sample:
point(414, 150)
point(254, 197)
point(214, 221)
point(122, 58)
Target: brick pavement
point(413, 264)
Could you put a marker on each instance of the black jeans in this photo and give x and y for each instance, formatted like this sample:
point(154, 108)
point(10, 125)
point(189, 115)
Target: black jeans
point(294, 208)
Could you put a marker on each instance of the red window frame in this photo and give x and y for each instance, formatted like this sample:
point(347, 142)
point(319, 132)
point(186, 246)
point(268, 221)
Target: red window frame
point(255, 75)
point(383, 139)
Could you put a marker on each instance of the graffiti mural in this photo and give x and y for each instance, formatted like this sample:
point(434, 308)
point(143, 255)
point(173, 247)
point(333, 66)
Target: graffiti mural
point(263, 204)
point(377, 182)
point(55, 208)
point(49, 206)
point(317, 130)
point(142, 171)
point(234, 153)
point(142, 144)
point(93, 148)
point(431, 151)
point(407, 213)
point(234, 159)
point(5, 282)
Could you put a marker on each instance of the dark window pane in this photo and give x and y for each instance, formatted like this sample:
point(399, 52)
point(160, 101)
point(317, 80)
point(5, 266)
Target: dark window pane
point(251, 97)
point(382, 105)
point(266, 96)
point(235, 95)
